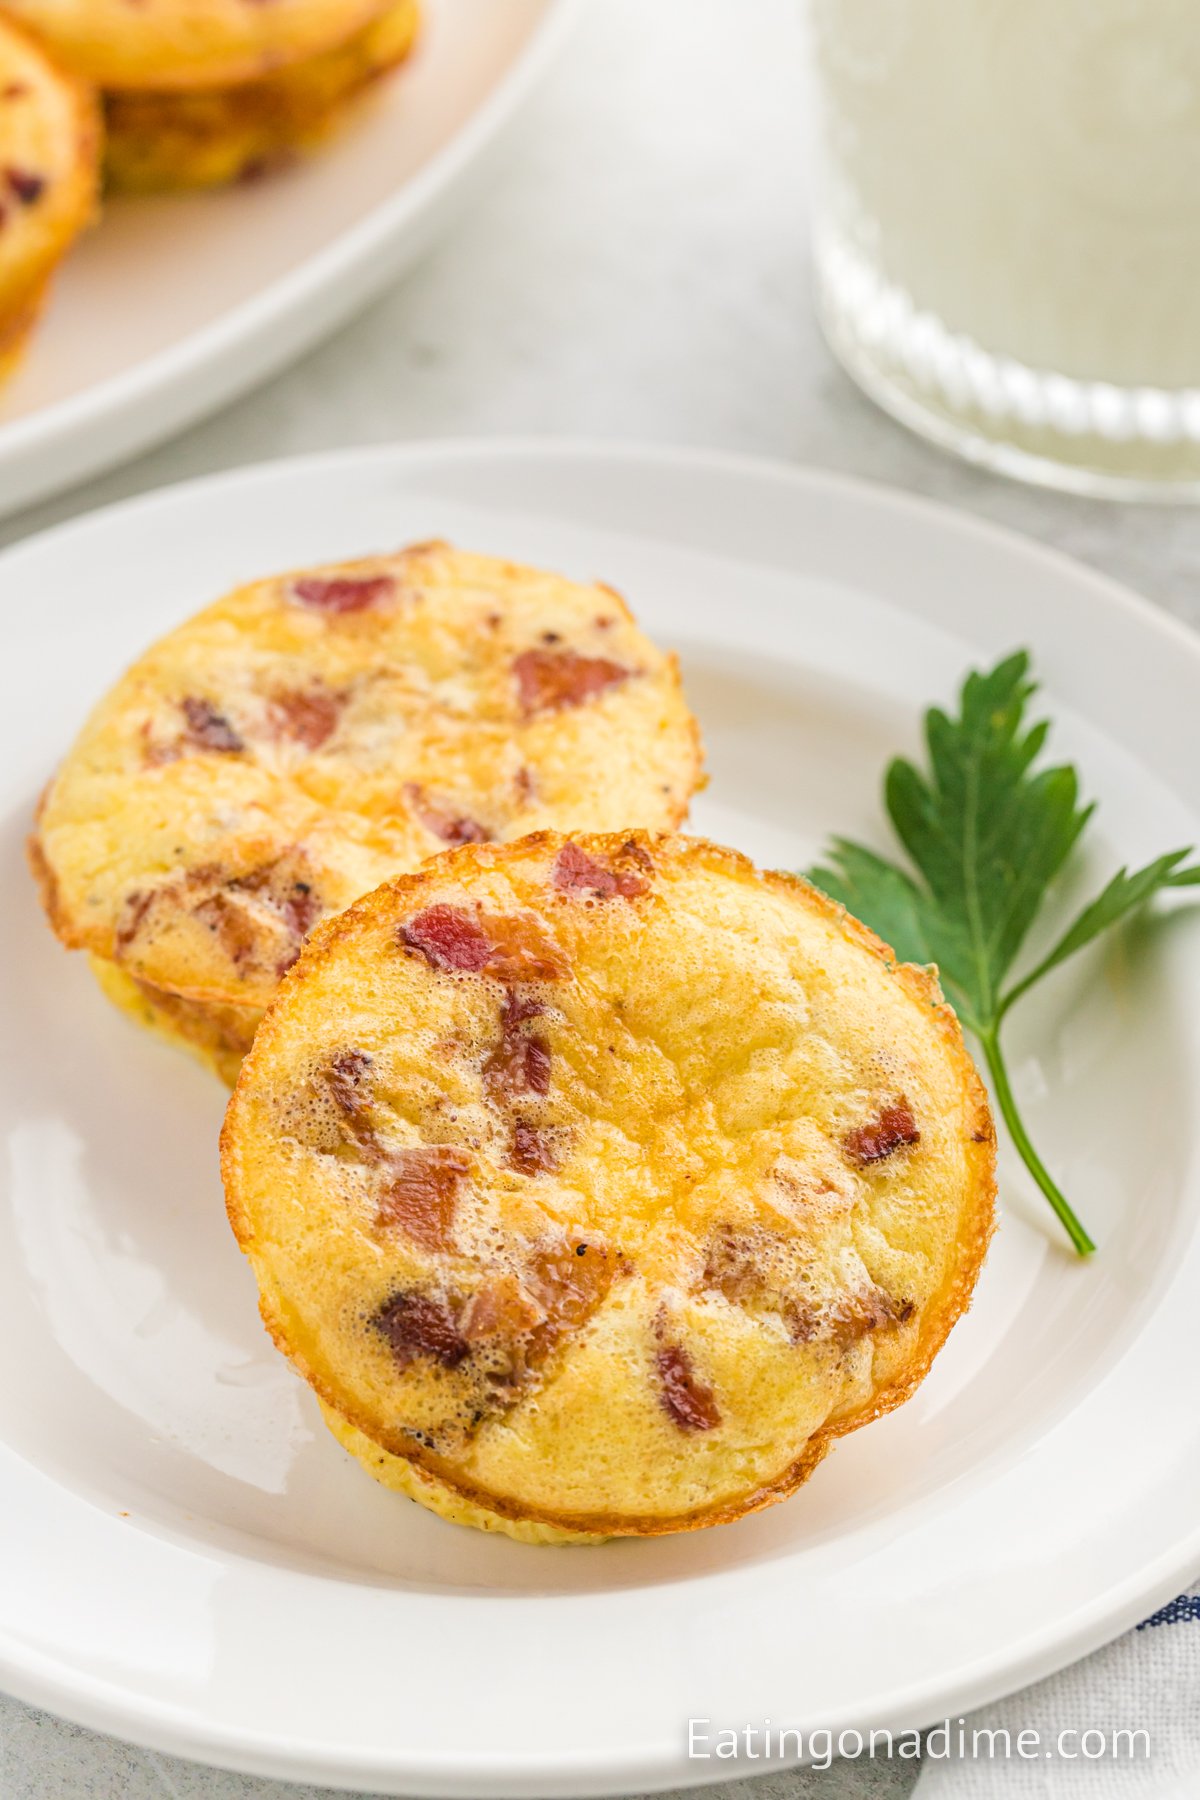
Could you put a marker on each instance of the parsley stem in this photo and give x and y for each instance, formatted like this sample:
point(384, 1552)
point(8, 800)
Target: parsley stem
point(990, 1039)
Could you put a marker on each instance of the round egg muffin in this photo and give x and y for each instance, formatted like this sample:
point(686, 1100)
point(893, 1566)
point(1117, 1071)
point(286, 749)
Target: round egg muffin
point(49, 156)
point(307, 737)
point(597, 1183)
point(188, 43)
point(168, 141)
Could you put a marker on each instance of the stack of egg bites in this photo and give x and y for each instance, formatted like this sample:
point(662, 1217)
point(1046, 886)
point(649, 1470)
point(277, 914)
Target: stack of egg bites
point(594, 1180)
point(165, 95)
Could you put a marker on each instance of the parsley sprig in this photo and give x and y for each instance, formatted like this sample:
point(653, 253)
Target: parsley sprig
point(987, 833)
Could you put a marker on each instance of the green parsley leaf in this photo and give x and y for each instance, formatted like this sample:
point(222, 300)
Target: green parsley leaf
point(987, 834)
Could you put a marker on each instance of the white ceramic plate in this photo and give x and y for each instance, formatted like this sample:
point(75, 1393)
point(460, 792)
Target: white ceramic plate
point(185, 1556)
point(176, 304)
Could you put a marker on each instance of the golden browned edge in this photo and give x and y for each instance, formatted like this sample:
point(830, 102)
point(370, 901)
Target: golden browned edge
point(89, 144)
point(73, 937)
point(181, 1023)
point(252, 66)
point(17, 326)
point(428, 1492)
point(46, 882)
point(938, 1318)
point(20, 313)
point(287, 134)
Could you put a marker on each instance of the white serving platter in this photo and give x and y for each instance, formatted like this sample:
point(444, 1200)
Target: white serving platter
point(188, 1560)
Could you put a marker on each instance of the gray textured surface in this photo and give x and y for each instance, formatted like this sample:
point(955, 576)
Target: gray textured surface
point(637, 270)
point(47, 1759)
point(42, 1758)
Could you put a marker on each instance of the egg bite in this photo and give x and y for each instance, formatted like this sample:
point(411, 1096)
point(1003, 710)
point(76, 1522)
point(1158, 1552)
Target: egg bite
point(49, 175)
point(401, 1476)
point(597, 1183)
point(184, 44)
point(286, 750)
point(169, 141)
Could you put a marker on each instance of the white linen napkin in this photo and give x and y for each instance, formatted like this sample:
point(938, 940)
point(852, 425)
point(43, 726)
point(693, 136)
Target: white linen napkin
point(1147, 1681)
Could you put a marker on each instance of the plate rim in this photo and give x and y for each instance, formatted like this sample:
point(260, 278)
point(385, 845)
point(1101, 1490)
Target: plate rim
point(584, 1773)
point(514, 445)
point(88, 1699)
point(237, 349)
